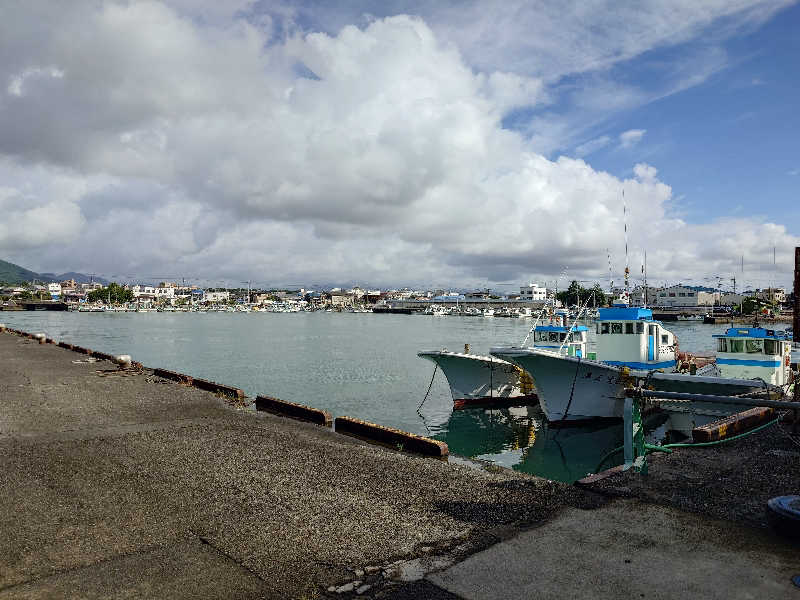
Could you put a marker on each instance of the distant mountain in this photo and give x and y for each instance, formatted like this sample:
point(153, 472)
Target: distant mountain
point(11, 273)
point(78, 277)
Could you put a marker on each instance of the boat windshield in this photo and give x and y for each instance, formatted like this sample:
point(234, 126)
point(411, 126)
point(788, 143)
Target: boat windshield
point(754, 346)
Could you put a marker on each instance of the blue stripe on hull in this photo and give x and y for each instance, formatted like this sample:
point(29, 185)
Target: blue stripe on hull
point(639, 365)
point(749, 363)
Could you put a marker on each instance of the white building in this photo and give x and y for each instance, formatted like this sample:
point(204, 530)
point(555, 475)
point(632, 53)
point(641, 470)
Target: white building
point(217, 297)
point(680, 296)
point(532, 293)
point(143, 291)
point(54, 289)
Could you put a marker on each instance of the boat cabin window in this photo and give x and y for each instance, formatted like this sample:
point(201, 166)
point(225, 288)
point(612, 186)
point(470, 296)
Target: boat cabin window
point(735, 346)
point(562, 337)
point(616, 328)
point(772, 347)
point(754, 346)
point(628, 327)
point(603, 327)
point(640, 328)
point(653, 330)
point(722, 345)
point(664, 339)
point(553, 336)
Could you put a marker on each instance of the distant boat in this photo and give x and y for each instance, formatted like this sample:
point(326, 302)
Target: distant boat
point(689, 317)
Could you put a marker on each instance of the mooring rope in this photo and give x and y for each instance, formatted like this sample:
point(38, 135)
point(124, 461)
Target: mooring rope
point(430, 385)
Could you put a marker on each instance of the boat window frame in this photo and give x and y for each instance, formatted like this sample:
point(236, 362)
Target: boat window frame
point(552, 336)
point(616, 328)
point(776, 347)
point(664, 339)
point(736, 346)
point(639, 327)
point(604, 327)
point(722, 345)
point(628, 328)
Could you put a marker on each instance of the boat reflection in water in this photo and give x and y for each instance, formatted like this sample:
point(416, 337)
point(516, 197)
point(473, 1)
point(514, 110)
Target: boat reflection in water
point(521, 438)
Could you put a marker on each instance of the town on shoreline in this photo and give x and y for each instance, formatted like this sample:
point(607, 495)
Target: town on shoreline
point(170, 296)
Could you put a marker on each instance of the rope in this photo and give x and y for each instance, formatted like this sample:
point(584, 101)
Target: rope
point(430, 385)
point(571, 392)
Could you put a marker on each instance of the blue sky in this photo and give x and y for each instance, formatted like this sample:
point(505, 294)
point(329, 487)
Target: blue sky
point(728, 146)
point(461, 143)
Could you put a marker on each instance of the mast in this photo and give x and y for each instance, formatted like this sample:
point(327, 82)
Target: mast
point(644, 270)
point(625, 224)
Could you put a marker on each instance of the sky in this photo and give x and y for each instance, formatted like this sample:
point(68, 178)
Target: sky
point(448, 144)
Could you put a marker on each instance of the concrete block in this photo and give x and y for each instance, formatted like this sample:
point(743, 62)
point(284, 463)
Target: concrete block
point(294, 410)
point(732, 425)
point(173, 375)
point(218, 388)
point(395, 438)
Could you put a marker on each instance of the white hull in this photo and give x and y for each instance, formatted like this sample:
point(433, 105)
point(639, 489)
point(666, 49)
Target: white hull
point(597, 388)
point(573, 389)
point(474, 378)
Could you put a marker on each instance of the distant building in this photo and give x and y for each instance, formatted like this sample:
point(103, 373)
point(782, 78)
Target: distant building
point(682, 296)
point(730, 299)
point(54, 289)
point(217, 296)
point(532, 293)
point(774, 295)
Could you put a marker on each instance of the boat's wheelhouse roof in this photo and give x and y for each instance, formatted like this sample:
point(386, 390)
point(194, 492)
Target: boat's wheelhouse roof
point(753, 332)
point(624, 314)
point(560, 329)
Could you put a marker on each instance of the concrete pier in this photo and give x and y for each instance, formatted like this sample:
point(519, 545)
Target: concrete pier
point(117, 483)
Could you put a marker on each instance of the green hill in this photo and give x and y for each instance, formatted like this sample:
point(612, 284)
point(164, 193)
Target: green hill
point(11, 273)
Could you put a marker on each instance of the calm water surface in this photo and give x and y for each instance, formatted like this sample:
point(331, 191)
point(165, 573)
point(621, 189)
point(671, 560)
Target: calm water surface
point(359, 365)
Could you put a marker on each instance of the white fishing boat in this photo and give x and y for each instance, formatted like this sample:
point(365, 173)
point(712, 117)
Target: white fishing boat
point(477, 379)
point(632, 349)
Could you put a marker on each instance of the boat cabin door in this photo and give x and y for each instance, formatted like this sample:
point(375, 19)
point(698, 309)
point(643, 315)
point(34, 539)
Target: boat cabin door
point(652, 337)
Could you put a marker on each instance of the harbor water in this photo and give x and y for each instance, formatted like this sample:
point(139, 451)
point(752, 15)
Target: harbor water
point(361, 365)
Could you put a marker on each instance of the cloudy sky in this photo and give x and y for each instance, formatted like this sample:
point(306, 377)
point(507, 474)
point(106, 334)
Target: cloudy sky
point(390, 143)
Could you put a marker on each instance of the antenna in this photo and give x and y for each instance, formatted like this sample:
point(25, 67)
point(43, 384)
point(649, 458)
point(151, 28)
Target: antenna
point(625, 223)
point(610, 277)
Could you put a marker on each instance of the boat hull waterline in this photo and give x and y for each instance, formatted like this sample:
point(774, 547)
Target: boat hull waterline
point(576, 389)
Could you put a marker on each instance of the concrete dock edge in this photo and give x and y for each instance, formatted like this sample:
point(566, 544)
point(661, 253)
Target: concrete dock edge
point(218, 388)
point(174, 376)
point(294, 410)
point(389, 436)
